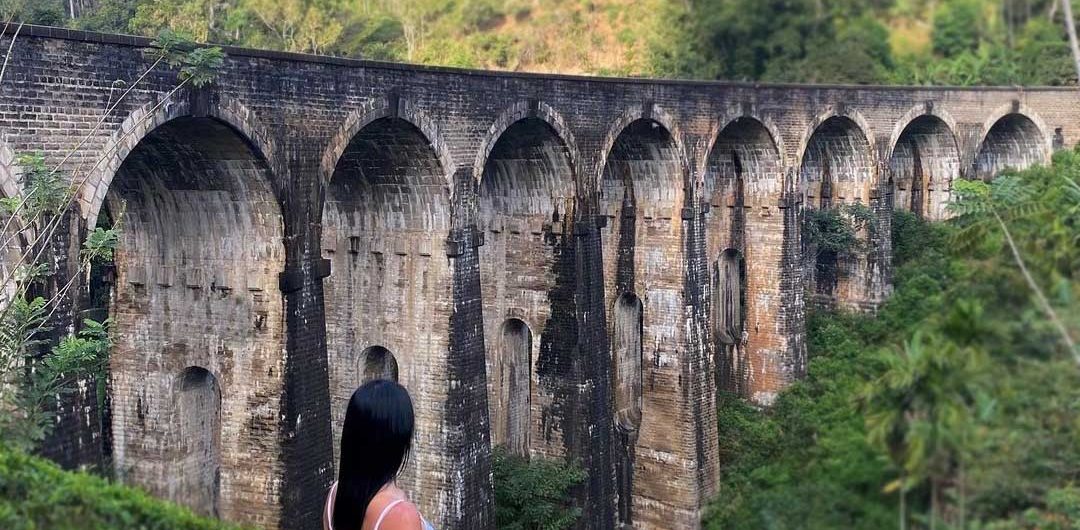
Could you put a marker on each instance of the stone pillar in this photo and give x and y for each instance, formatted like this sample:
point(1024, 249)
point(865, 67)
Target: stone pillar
point(468, 441)
point(77, 437)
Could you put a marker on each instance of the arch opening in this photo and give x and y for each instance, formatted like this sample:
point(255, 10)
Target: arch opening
point(513, 376)
point(527, 173)
point(385, 222)
point(378, 363)
point(643, 170)
point(628, 320)
point(199, 469)
point(1013, 142)
point(196, 283)
point(837, 168)
point(642, 192)
point(922, 167)
point(642, 188)
point(526, 202)
point(744, 151)
point(729, 318)
point(388, 179)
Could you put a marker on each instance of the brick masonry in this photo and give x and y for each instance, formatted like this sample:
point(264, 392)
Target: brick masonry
point(567, 266)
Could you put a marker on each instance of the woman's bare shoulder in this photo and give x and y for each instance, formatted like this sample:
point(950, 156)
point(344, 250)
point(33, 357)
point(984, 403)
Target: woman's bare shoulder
point(400, 517)
point(403, 516)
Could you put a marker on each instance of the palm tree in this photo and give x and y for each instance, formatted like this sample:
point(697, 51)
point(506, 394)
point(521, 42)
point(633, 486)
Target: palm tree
point(921, 410)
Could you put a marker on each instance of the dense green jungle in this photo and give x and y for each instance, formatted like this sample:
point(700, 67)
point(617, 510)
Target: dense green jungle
point(938, 42)
point(956, 405)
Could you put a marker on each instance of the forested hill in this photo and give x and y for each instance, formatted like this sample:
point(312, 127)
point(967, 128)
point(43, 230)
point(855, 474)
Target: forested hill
point(960, 42)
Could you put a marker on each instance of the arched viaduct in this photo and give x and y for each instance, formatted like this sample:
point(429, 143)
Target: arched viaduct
point(563, 266)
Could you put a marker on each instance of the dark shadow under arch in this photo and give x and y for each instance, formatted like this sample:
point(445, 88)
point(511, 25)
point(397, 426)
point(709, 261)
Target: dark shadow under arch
point(922, 167)
point(744, 150)
point(196, 283)
point(528, 172)
point(199, 467)
point(1013, 142)
point(837, 168)
point(377, 362)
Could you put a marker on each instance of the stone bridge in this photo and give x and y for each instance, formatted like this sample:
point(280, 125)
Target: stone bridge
point(562, 266)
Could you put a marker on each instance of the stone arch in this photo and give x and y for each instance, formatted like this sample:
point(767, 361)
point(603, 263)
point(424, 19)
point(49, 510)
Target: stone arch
point(512, 372)
point(529, 171)
point(648, 113)
point(388, 178)
point(526, 201)
point(744, 181)
point(1015, 139)
point(386, 219)
point(838, 166)
point(198, 472)
point(919, 112)
point(387, 107)
point(151, 116)
point(525, 110)
point(377, 362)
point(744, 149)
point(831, 114)
point(837, 153)
point(740, 122)
point(644, 181)
point(646, 165)
point(196, 284)
point(923, 161)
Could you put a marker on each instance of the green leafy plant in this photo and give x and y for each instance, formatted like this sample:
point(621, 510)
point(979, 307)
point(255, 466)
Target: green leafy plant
point(952, 406)
point(837, 230)
point(35, 493)
point(534, 494)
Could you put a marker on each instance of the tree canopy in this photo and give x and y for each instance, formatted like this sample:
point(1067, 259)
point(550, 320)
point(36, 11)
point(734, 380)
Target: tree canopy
point(939, 42)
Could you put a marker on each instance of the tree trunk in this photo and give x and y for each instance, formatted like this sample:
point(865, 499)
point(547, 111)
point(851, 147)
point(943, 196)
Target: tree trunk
point(1070, 27)
point(903, 507)
point(933, 503)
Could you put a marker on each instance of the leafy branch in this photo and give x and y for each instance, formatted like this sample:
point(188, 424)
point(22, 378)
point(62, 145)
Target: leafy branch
point(837, 230)
point(981, 208)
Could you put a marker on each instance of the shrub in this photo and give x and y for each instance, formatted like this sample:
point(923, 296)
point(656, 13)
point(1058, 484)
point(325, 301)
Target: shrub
point(35, 493)
point(534, 494)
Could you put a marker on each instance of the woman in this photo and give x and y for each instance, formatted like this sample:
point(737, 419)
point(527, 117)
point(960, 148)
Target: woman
point(375, 443)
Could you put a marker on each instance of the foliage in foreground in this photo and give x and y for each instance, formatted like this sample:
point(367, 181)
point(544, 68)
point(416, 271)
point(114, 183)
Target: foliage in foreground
point(534, 494)
point(958, 399)
point(35, 493)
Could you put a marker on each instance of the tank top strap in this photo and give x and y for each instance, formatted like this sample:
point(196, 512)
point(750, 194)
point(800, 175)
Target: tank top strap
point(328, 516)
point(385, 511)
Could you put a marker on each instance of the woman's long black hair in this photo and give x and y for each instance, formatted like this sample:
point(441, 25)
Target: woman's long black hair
point(375, 443)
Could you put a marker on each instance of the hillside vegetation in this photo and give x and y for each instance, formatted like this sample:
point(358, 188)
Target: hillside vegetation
point(958, 42)
point(957, 404)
